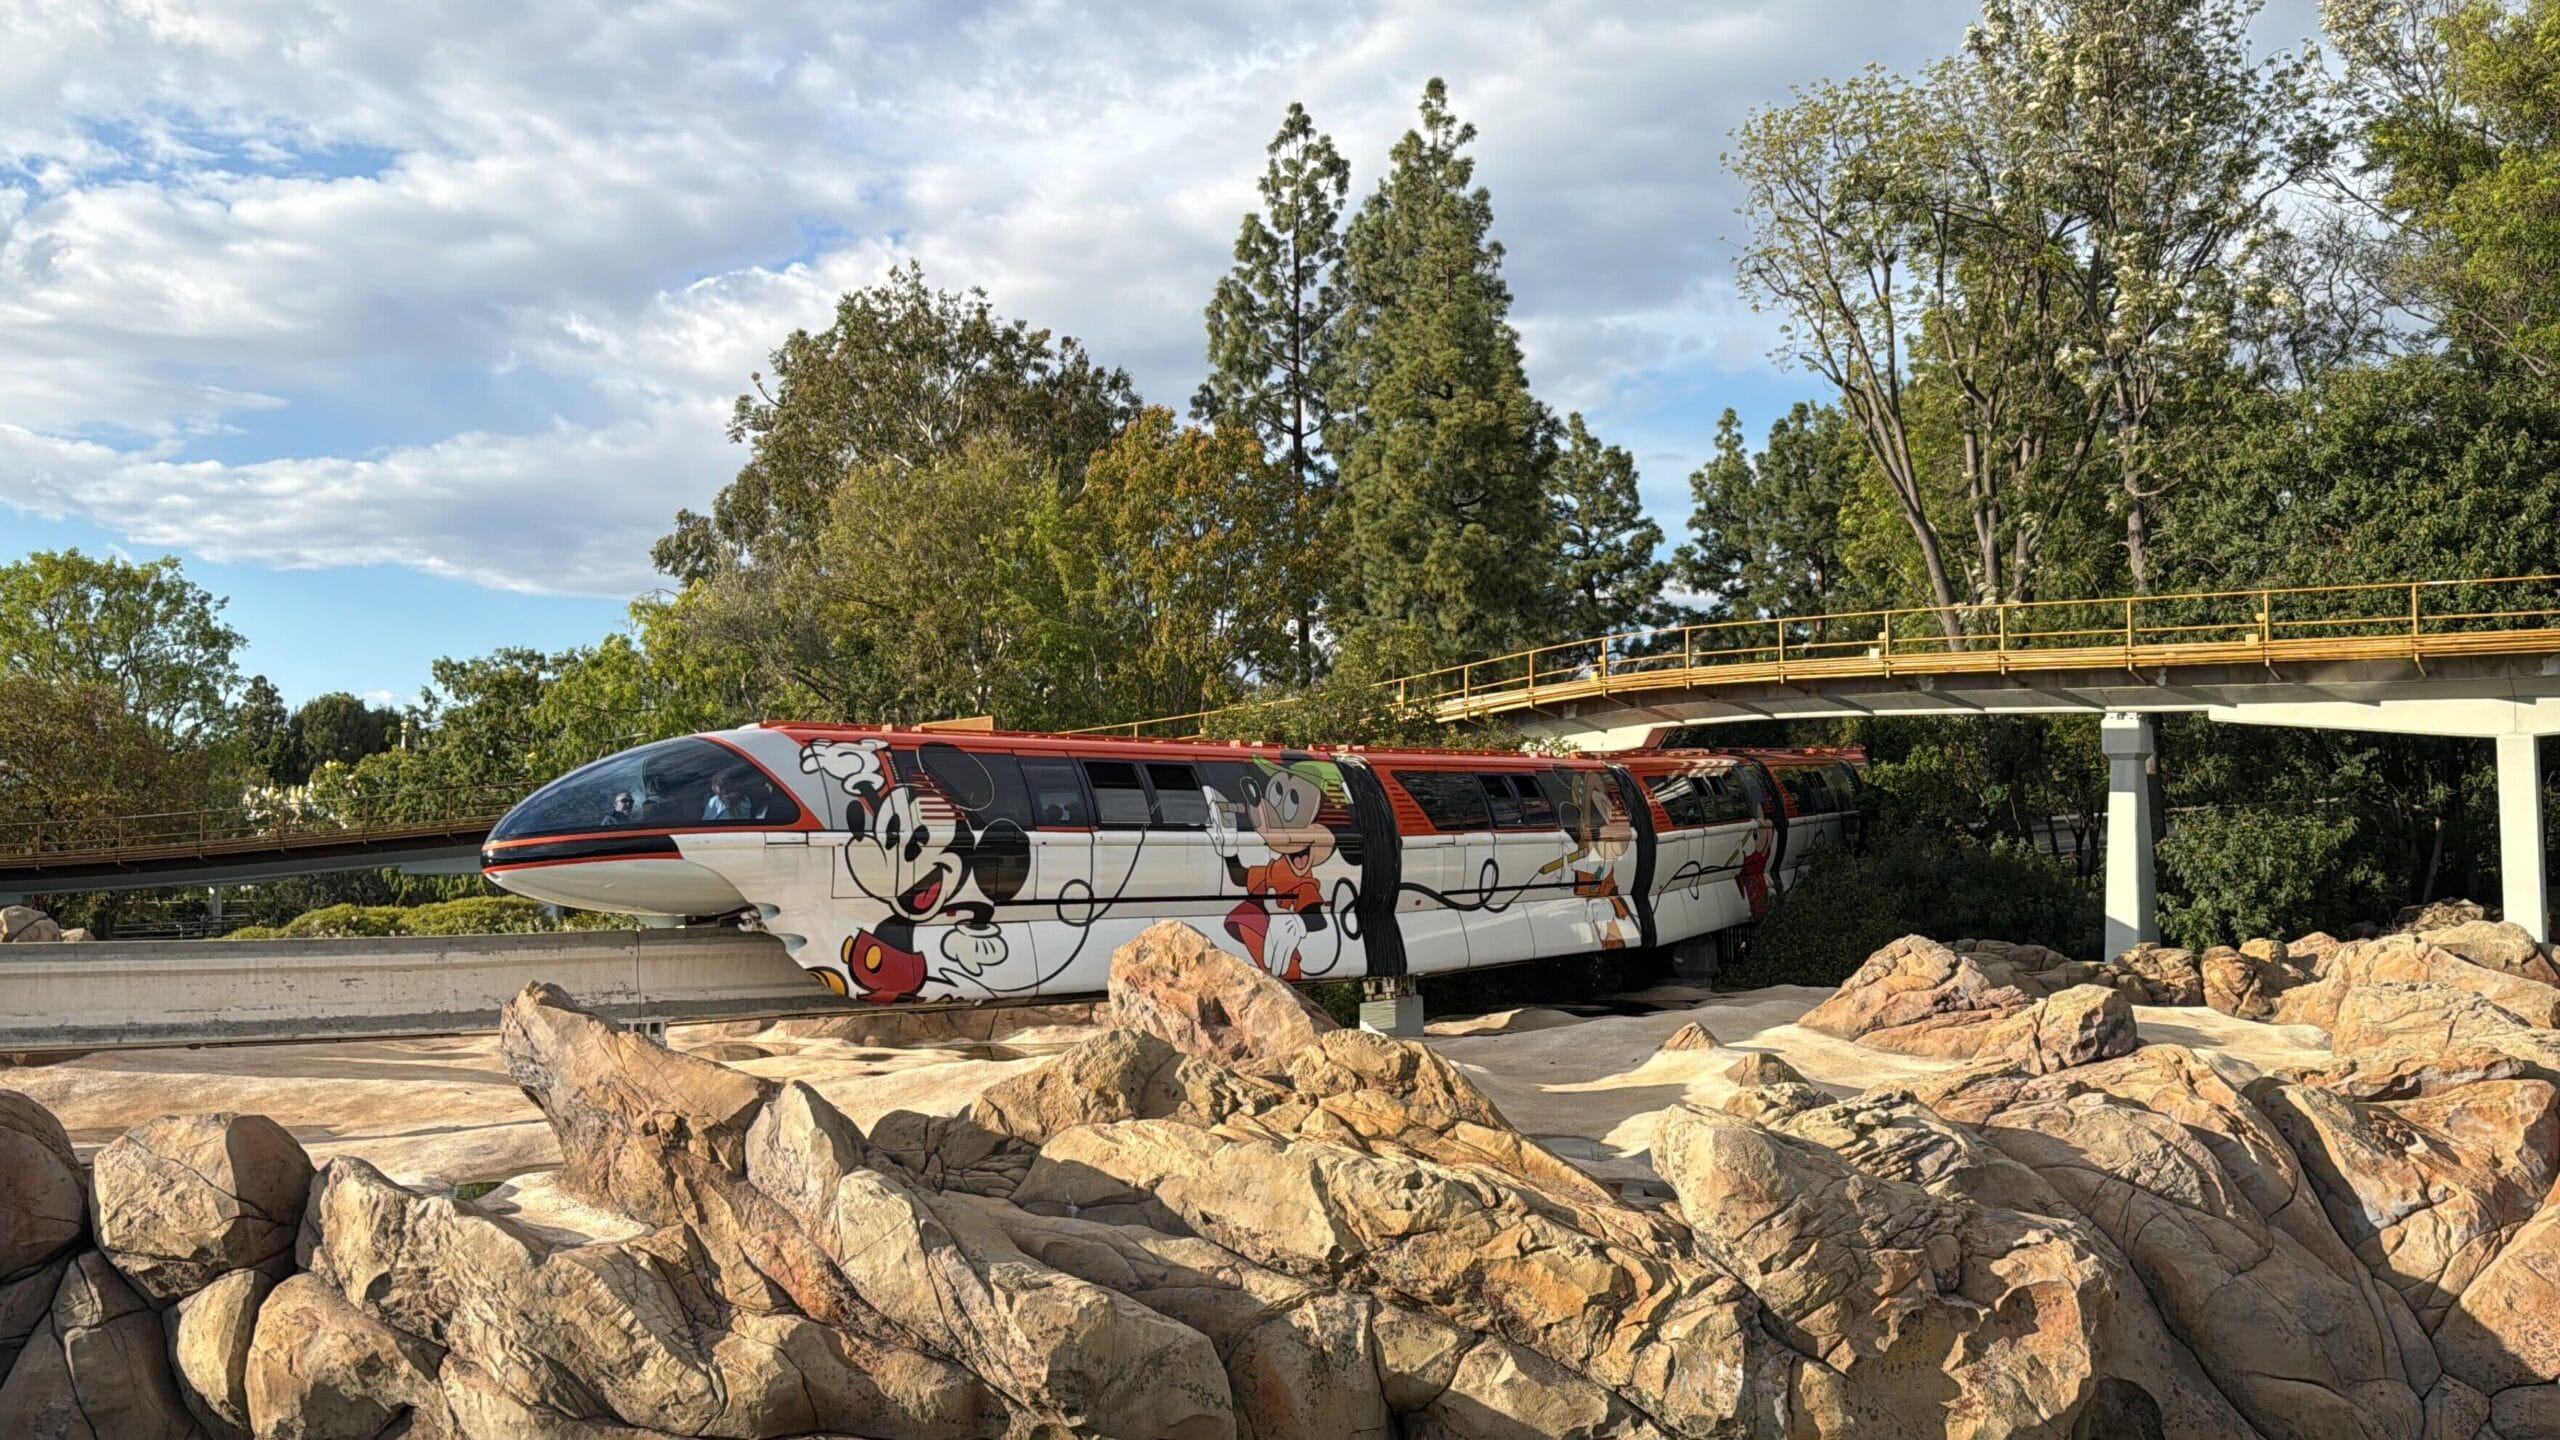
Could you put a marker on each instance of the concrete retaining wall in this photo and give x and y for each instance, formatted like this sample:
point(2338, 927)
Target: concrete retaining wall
point(178, 992)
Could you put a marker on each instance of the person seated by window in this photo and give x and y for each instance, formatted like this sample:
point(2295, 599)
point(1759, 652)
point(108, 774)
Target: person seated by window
point(737, 796)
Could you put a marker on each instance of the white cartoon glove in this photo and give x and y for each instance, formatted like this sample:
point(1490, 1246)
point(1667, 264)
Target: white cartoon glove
point(974, 946)
point(1288, 930)
point(1224, 837)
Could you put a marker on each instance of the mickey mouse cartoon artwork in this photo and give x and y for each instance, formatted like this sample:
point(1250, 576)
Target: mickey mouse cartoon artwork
point(918, 848)
point(1284, 902)
point(1600, 840)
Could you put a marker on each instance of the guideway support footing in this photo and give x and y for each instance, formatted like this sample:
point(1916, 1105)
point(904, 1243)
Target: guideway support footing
point(1392, 1007)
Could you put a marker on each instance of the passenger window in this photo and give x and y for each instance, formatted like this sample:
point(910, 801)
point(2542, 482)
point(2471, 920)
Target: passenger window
point(1449, 802)
point(1536, 810)
point(1179, 803)
point(1057, 795)
point(1119, 796)
point(1505, 805)
point(986, 788)
point(1682, 799)
point(1235, 782)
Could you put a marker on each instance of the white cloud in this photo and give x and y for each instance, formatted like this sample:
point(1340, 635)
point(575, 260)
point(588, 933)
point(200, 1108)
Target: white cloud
point(468, 287)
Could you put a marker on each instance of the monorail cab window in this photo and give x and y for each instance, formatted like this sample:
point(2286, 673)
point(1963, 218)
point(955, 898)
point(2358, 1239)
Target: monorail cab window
point(685, 784)
point(1057, 793)
point(1119, 796)
point(1450, 802)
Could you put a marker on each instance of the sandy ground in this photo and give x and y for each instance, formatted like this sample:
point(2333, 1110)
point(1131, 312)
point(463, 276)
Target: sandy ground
point(443, 1112)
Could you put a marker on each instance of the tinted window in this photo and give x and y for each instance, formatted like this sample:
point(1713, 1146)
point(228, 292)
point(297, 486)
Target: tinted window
point(1536, 810)
point(1506, 805)
point(1119, 796)
point(1682, 797)
point(1450, 802)
point(986, 788)
point(1726, 802)
point(1057, 793)
point(1179, 802)
point(1236, 783)
point(675, 784)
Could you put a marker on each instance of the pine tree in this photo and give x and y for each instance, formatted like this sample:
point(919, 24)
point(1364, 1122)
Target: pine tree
point(1606, 572)
point(1274, 323)
point(1452, 541)
point(1765, 535)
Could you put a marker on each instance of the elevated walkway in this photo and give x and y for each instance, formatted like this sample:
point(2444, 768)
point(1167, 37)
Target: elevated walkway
point(437, 833)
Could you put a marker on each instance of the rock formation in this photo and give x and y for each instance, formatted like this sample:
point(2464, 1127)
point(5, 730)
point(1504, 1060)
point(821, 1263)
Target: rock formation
point(1221, 1216)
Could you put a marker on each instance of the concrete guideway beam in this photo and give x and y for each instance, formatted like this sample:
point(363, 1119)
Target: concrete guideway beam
point(2132, 898)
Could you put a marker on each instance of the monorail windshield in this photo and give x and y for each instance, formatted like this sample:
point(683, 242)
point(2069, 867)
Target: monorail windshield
point(682, 784)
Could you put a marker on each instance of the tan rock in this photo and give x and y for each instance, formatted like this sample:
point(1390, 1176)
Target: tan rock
point(24, 1304)
point(2427, 1190)
point(1174, 984)
point(619, 1332)
point(617, 1099)
point(43, 1208)
point(2312, 951)
point(1917, 997)
point(209, 1336)
point(1763, 1067)
point(1877, 1279)
point(320, 1369)
point(2437, 915)
point(97, 1368)
point(184, 1199)
point(2497, 945)
point(1055, 1344)
point(951, 1153)
point(77, 935)
point(482, 1409)
point(2414, 959)
point(1692, 1036)
point(2384, 1014)
point(2171, 973)
point(2212, 1211)
point(2247, 983)
point(2499, 1332)
point(27, 925)
point(1106, 1078)
point(2078, 1026)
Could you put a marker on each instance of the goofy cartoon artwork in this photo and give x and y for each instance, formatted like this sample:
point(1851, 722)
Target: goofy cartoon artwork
point(1284, 902)
point(917, 847)
point(1600, 840)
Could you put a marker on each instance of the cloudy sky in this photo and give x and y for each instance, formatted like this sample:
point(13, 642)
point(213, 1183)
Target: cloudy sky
point(409, 326)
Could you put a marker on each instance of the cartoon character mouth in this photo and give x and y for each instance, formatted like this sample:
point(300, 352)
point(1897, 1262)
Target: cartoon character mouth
point(923, 898)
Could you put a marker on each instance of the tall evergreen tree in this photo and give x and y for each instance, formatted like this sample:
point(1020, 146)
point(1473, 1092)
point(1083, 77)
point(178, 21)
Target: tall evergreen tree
point(1274, 323)
point(1444, 470)
point(1765, 535)
point(1605, 570)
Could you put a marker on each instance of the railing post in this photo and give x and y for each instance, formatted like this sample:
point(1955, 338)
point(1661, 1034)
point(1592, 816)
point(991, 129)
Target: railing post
point(1466, 682)
point(2266, 619)
point(2413, 618)
point(2001, 645)
point(1604, 665)
point(1533, 676)
point(1688, 647)
point(2128, 630)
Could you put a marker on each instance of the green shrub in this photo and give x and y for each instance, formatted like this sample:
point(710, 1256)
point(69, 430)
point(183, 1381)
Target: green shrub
point(598, 920)
point(1844, 907)
point(481, 915)
point(2227, 876)
point(341, 922)
point(1339, 999)
point(257, 932)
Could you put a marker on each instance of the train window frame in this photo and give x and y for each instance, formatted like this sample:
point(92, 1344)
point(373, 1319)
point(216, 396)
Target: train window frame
point(1546, 814)
point(591, 791)
point(1187, 790)
point(1230, 779)
point(1682, 798)
point(1057, 768)
point(1009, 797)
point(1095, 785)
point(1442, 788)
point(1502, 801)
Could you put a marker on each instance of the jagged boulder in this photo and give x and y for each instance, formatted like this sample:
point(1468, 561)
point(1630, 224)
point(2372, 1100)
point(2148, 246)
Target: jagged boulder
point(2246, 982)
point(1692, 1036)
point(2077, 1026)
point(185, 1198)
point(2437, 915)
point(96, 1367)
point(43, 1206)
point(618, 1100)
point(2413, 959)
point(318, 1368)
point(1761, 1067)
point(1171, 982)
point(1917, 997)
point(209, 1337)
point(27, 925)
point(2171, 973)
point(2497, 945)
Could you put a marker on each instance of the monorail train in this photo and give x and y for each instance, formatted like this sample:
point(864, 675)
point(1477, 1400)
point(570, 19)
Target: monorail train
point(933, 865)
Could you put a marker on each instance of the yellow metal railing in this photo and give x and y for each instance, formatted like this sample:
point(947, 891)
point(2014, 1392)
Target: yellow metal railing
point(2405, 620)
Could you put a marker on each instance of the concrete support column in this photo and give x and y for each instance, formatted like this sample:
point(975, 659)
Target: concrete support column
point(1392, 1007)
point(2132, 893)
point(2522, 892)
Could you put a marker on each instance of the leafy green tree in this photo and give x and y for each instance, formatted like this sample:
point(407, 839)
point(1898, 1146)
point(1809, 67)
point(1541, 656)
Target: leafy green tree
point(906, 376)
point(341, 729)
point(143, 631)
point(77, 762)
point(1275, 321)
point(2457, 107)
point(1445, 459)
point(1182, 565)
point(263, 728)
point(1765, 530)
point(1606, 573)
